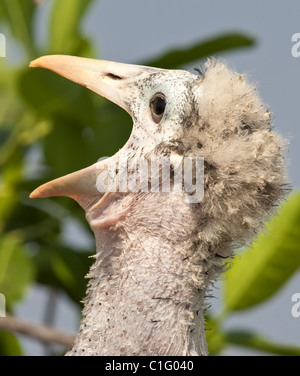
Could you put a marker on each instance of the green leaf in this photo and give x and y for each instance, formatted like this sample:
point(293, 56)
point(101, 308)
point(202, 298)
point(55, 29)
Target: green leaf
point(259, 272)
point(85, 126)
point(71, 110)
point(9, 345)
point(256, 341)
point(176, 58)
point(66, 18)
point(50, 95)
point(112, 131)
point(66, 149)
point(10, 175)
point(16, 269)
point(63, 268)
point(20, 15)
point(214, 336)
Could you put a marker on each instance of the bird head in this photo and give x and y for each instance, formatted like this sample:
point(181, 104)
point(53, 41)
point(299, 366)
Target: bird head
point(215, 115)
point(159, 102)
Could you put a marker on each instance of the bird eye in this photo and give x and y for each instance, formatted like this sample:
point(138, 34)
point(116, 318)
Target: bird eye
point(157, 106)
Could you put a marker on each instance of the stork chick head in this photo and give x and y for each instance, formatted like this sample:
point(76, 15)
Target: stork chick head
point(216, 115)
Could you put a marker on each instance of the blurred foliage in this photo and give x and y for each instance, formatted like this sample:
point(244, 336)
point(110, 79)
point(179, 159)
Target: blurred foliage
point(275, 255)
point(9, 345)
point(255, 276)
point(177, 58)
point(50, 127)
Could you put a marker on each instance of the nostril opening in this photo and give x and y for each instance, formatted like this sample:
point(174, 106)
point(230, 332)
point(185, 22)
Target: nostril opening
point(113, 76)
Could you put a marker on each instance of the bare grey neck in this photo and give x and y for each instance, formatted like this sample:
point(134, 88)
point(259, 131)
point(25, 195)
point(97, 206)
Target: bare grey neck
point(147, 286)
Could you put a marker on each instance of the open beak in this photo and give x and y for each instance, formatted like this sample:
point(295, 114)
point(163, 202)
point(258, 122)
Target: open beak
point(108, 79)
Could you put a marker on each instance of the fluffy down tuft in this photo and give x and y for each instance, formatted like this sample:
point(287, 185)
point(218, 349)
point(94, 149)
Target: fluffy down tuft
point(244, 159)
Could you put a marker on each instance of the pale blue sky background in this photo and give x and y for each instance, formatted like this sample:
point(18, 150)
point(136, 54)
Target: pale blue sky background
point(134, 30)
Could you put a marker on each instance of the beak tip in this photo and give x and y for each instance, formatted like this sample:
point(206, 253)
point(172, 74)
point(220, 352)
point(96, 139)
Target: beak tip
point(34, 64)
point(38, 63)
point(35, 194)
point(42, 62)
point(43, 191)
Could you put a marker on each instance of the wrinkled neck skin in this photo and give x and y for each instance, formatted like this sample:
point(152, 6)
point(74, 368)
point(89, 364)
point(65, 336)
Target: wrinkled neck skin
point(148, 282)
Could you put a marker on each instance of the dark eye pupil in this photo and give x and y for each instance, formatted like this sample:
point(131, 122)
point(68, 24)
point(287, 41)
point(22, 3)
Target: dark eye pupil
point(159, 105)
